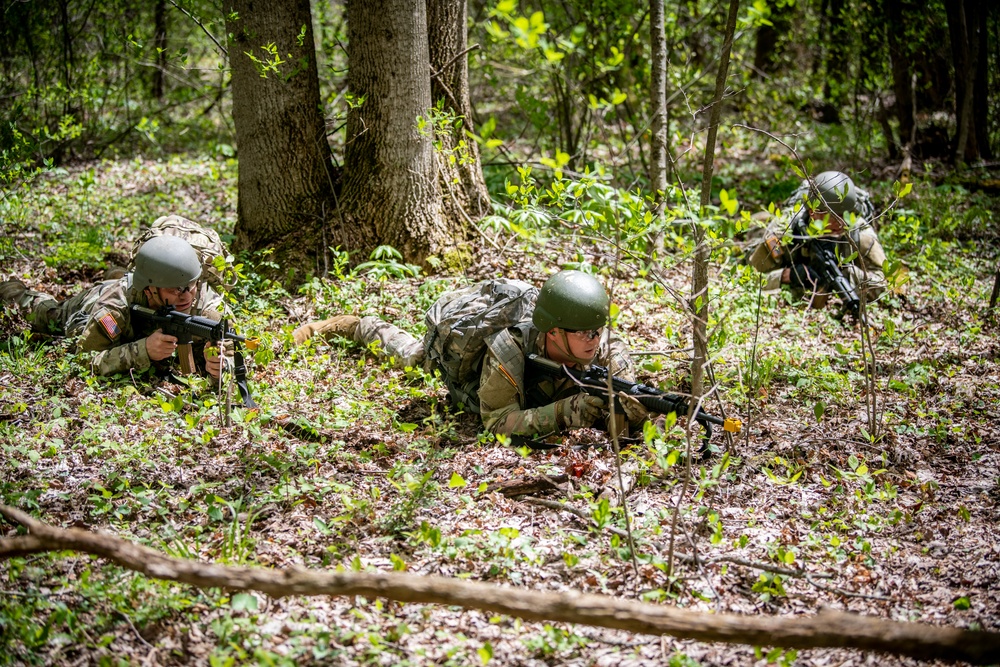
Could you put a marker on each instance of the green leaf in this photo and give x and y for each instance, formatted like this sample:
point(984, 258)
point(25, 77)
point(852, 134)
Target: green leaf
point(456, 481)
point(243, 602)
point(963, 603)
point(819, 409)
point(485, 652)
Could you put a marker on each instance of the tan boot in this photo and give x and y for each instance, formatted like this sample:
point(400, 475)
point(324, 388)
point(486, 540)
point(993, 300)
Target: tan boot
point(340, 325)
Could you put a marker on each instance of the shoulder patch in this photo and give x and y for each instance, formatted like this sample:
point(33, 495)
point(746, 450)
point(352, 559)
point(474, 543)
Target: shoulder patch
point(110, 326)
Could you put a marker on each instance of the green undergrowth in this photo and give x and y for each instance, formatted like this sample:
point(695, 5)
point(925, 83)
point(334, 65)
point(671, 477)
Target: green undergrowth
point(352, 464)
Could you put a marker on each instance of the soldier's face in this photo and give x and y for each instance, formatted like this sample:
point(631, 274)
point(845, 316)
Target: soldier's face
point(832, 221)
point(572, 347)
point(181, 298)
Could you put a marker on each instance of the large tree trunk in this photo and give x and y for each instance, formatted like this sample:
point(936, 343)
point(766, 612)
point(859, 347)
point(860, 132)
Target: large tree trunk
point(285, 192)
point(460, 172)
point(838, 44)
point(391, 194)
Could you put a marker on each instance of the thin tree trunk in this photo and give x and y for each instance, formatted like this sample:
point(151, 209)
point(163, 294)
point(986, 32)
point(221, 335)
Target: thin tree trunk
point(964, 52)
point(658, 166)
point(460, 175)
point(159, 46)
point(827, 629)
point(900, 58)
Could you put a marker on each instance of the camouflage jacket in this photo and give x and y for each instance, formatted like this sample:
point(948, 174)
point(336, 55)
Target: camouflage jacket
point(101, 319)
point(778, 251)
point(512, 402)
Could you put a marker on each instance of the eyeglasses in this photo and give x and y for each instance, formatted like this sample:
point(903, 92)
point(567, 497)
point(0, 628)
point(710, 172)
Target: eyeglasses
point(178, 291)
point(587, 334)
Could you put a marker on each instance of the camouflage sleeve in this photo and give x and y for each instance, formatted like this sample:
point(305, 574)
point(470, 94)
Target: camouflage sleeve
point(618, 358)
point(110, 356)
point(501, 410)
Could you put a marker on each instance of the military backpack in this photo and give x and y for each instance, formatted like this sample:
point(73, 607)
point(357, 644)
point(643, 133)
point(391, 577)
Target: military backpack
point(206, 243)
point(460, 323)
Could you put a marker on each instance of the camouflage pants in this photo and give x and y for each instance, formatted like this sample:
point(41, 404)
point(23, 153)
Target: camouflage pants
point(46, 315)
point(390, 342)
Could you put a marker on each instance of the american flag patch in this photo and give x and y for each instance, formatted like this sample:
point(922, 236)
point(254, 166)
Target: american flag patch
point(110, 326)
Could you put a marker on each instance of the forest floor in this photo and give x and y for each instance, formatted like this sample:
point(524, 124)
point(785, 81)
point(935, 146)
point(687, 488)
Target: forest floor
point(879, 495)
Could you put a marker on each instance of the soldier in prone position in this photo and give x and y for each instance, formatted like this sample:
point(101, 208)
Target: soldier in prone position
point(836, 215)
point(567, 325)
point(167, 273)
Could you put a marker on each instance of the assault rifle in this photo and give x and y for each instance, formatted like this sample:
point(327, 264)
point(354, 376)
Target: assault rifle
point(594, 381)
point(185, 328)
point(824, 263)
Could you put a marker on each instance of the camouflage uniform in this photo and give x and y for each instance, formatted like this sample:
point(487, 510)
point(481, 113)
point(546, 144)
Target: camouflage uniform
point(774, 252)
point(864, 273)
point(510, 398)
point(100, 319)
point(507, 402)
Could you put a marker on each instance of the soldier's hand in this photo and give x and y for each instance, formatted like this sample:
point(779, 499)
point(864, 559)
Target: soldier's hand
point(160, 346)
point(634, 410)
point(579, 411)
point(213, 361)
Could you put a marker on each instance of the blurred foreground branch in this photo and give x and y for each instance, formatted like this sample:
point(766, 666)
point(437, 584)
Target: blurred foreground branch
point(827, 629)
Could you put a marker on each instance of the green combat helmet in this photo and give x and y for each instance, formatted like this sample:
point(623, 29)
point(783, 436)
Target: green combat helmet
point(571, 300)
point(165, 261)
point(837, 190)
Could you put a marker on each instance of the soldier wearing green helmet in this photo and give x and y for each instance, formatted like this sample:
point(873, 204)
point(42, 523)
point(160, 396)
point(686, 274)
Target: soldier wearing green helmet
point(166, 273)
point(565, 321)
point(829, 206)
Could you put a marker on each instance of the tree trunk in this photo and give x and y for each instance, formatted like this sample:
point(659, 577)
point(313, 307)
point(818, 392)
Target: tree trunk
point(766, 49)
point(981, 93)
point(460, 172)
point(702, 252)
point(285, 191)
point(837, 42)
point(391, 194)
point(159, 47)
point(900, 57)
point(658, 93)
point(964, 51)
point(829, 628)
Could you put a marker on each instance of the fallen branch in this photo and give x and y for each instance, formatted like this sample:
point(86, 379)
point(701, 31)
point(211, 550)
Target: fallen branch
point(827, 629)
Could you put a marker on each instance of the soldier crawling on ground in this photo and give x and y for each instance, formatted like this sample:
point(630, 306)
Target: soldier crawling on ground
point(167, 273)
point(566, 324)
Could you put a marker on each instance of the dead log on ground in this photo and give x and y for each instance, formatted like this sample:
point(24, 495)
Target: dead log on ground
point(828, 629)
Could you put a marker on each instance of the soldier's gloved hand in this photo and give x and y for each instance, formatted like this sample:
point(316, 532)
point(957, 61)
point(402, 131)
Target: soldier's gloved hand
point(635, 411)
point(578, 411)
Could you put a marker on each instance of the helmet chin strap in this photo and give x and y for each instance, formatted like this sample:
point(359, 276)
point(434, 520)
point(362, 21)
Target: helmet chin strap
point(568, 351)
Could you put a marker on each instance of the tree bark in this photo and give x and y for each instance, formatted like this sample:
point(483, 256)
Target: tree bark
point(825, 630)
point(900, 57)
point(460, 172)
point(285, 192)
point(391, 193)
point(702, 252)
point(658, 93)
point(766, 55)
point(159, 47)
point(964, 50)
